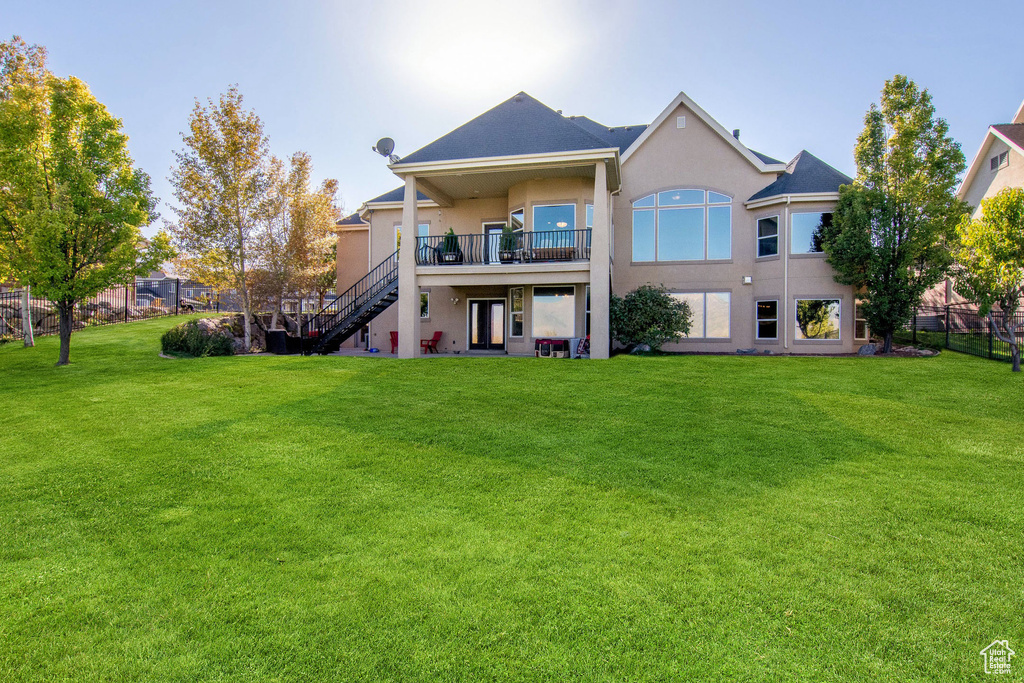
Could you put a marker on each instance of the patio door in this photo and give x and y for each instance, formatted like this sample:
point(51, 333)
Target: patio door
point(487, 324)
point(492, 232)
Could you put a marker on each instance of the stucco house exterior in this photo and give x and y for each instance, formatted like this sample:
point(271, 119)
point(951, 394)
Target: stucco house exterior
point(527, 221)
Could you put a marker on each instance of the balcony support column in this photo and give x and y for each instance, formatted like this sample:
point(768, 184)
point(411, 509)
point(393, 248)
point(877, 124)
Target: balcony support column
point(600, 266)
point(408, 288)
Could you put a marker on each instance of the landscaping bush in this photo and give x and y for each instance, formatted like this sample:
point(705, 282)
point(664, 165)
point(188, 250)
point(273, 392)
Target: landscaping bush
point(648, 317)
point(193, 339)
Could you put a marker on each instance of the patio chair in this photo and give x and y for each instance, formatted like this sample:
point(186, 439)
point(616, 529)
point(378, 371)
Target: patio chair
point(430, 345)
point(394, 341)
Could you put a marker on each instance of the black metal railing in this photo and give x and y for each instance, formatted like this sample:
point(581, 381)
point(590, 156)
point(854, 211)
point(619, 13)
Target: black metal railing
point(518, 247)
point(961, 328)
point(355, 297)
point(124, 303)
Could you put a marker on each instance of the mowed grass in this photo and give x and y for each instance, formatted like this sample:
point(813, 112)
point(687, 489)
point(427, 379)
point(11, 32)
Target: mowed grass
point(663, 518)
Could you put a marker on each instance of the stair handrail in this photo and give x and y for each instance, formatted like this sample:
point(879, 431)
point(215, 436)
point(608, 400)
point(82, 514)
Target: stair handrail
point(349, 301)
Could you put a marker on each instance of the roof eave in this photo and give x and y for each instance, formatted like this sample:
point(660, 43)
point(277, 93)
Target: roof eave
point(792, 197)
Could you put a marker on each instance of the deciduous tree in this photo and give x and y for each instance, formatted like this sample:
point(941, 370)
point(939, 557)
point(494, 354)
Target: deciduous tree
point(298, 233)
point(23, 123)
point(78, 200)
point(221, 182)
point(891, 229)
point(990, 264)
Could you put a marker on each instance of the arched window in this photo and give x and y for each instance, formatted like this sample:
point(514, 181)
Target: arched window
point(682, 225)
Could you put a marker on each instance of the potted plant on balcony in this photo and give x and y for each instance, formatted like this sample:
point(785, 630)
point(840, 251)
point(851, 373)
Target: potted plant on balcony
point(507, 245)
point(450, 250)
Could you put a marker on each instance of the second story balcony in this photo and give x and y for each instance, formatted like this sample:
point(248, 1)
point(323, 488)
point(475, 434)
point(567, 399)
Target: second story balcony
point(497, 248)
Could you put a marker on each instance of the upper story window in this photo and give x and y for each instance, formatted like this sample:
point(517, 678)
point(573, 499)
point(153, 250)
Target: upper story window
point(768, 236)
point(682, 225)
point(422, 230)
point(805, 234)
point(517, 220)
point(554, 217)
point(999, 160)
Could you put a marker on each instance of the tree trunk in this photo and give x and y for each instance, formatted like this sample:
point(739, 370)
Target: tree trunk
point(66, 313)
point(26, 317)
point(246, 318)
point(887, 342)
point(273, 319)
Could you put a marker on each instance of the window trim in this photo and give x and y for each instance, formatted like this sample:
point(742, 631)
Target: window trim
point(512, 313)
point(533, 309)
point(758, 238)
point(819, 297)
point(705, 208)
point(867, 331)
point(757, 321)
point(533, 215)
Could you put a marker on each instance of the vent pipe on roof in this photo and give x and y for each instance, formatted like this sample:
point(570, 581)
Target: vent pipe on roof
point(736, 133)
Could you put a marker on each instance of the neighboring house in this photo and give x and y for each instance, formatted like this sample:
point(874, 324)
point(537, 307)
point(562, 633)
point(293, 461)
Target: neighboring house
point(595, 210)
point(999, 164)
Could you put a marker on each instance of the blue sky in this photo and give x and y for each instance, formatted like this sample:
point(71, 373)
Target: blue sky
point(330, 78)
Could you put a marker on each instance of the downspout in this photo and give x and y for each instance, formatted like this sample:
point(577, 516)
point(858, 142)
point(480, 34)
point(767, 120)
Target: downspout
point(785, 277)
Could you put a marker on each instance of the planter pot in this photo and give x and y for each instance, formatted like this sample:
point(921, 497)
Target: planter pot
point(506, 256)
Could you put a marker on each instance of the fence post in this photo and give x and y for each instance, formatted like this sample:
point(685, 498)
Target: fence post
point(177, 296)
point(989, 339)
point(913, 335)
point(947, 327)
point(126, 303)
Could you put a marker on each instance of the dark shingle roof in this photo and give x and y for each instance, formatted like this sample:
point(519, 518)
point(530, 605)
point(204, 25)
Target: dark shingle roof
point(765, 158)
point(519, 125)
point(397, 195)
point(351, 219)
point(1012, 131)
point(805, 174)
point(617, 136)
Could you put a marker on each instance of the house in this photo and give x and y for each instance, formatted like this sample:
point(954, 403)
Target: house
point(527, 221)
point(999, 164)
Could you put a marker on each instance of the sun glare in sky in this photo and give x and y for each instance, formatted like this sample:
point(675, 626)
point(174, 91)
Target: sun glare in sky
point(475, 51)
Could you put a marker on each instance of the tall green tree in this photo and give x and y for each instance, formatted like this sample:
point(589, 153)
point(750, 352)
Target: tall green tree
point(23, 124)
point(990, 264)
point(221, 183)
point(892, 227)
point(84, 225)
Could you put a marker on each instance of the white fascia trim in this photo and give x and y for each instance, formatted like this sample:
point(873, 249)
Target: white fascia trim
point(1019, 116)
point(683, 99)
point(378, 206)
point(1008, 141)
point(352, 228)
point(484, 164)
point(972, 170)
point(785, 198)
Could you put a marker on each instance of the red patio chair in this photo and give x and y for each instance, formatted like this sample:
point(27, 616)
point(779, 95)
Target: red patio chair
point(430, 345)
point(394, 341)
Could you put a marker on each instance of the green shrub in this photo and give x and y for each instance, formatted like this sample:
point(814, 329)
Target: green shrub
point(191, 340)
point(648, 316)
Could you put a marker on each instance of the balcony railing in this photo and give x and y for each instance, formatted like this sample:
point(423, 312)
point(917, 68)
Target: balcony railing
point(519, 247)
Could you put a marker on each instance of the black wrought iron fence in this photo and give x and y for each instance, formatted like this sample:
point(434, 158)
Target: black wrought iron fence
point(517, 247)
point(961, 328)
point(140, 301)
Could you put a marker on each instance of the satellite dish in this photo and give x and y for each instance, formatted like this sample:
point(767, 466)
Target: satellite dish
point(384, 147)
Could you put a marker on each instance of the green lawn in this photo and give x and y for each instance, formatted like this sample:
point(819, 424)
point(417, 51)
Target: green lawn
point(661, 518)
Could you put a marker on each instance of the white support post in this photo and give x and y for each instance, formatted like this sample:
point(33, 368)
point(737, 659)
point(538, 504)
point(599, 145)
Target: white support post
point(600, 267)
point(408, 289)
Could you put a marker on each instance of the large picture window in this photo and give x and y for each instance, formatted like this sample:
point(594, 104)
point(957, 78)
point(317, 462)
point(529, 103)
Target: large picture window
point(682, 225)
point(860, 323)
point(805, 236)
point(554, 311)
point(710, 314)
point(817, 319)
point(422, 230)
